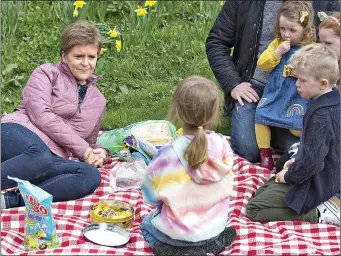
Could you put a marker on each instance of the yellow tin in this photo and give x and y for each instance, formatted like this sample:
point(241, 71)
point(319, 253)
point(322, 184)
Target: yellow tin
point(112, 212)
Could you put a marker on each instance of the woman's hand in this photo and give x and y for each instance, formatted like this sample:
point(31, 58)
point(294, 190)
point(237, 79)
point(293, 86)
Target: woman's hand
point(95, 157)
point(101, 154)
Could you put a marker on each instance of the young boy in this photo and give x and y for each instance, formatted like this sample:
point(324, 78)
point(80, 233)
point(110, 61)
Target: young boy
point(314, 176)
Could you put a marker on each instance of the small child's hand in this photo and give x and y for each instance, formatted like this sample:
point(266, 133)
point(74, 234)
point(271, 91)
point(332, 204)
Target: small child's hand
point(288, 163)
point(280, 176)
point(283, 48)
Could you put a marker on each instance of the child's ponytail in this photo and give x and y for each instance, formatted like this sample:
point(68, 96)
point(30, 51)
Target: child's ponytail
point(196, 103)
point(196, 153)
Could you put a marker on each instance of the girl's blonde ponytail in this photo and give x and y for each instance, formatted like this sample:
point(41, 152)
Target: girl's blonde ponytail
point(196, 153)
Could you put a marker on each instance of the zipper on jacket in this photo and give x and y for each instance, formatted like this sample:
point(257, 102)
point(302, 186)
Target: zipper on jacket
point(254, 54)
point(78, 107)
point(79, 103)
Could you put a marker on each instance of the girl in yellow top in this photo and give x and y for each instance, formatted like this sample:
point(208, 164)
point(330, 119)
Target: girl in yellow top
point(280, 105)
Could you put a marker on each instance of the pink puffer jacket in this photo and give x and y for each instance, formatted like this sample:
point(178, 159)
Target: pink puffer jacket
point(50, 109)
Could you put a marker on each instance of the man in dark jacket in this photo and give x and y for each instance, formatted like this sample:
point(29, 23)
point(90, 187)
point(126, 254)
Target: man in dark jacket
point(247, 27)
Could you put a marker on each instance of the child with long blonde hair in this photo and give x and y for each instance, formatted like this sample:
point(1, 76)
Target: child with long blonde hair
point(190, 180)
point(280, 105)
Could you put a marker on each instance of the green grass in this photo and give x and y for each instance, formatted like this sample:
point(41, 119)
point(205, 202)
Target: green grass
point(139, 81)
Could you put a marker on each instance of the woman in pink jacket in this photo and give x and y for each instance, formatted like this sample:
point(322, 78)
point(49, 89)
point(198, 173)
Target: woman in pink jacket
point(59, 116)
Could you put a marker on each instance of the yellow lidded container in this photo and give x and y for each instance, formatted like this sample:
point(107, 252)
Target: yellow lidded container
point(112, 212)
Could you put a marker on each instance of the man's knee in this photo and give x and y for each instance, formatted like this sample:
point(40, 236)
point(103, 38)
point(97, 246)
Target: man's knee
point(243, 137)
point(251, 156)
point(246, 149)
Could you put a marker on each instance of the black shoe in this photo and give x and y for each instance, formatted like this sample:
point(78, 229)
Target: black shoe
point(161, 249)
point(221, 242)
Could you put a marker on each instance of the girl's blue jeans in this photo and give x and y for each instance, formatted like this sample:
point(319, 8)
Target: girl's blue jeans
point(25, 156)
point(152, 235)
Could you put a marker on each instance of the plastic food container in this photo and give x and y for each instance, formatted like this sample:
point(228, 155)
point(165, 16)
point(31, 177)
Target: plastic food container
point(112, 212)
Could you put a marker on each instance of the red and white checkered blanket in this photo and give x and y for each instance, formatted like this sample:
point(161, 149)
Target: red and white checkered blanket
point(253, 238)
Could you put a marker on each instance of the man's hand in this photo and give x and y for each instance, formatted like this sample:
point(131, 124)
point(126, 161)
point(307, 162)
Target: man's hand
point(244, 91)
point(283, 48)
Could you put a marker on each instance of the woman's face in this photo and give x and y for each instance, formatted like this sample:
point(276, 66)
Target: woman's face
point(81, 60)
point(328, 37)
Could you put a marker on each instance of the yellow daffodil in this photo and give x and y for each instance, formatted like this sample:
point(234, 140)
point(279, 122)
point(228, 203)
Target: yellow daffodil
point(141, 11)
point(118, 45)
point(150, 3)
point(113, 33)
point(75, 12)
point(221, 3)
point(79, 4)
point(101, 52)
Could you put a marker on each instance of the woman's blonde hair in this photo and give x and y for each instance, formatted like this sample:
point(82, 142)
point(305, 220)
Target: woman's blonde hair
point(331, 23)
point(294, 11)
point(80, 33)
point(196, 102)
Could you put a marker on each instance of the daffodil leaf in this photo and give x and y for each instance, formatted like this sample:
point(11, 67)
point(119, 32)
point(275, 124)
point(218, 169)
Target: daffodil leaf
point(124, 89)
point(9, 68)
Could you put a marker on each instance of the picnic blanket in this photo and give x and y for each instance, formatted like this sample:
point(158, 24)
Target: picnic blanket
point(253, 238)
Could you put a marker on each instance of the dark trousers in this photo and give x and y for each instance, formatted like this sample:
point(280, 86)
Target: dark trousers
point(268, 205)
point(25, 156)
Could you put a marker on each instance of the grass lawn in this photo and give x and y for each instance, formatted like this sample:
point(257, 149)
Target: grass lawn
point(138, 81)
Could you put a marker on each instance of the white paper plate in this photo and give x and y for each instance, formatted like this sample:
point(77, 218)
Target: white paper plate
point(106, 234)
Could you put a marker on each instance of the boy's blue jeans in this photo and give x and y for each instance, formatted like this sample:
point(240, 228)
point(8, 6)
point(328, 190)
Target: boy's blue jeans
point(25, 156)
point(243, 136)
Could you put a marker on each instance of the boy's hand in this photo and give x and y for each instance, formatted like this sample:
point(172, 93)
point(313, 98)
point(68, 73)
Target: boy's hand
point(280, 176)
point(283, 48)
point(288, 163)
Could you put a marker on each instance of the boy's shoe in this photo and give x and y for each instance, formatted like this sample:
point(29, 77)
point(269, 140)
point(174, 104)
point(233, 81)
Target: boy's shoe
point(329, 212)
point(2, 201)
point(266, 160)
